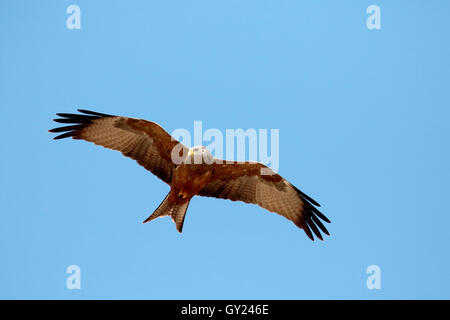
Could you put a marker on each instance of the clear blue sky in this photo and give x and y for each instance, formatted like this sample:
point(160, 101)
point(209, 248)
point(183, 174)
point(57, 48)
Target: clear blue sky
point(364, 129)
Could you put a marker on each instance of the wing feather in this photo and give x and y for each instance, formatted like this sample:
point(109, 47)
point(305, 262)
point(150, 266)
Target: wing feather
point(245, 182)
point(144, 141)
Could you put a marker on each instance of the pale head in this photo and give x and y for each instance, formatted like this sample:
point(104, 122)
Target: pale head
point(198, 155)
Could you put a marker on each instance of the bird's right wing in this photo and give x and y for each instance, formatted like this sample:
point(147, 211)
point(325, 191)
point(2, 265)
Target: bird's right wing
point(144, 141)
point(258, 184)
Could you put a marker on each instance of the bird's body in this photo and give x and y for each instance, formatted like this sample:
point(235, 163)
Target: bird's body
point(194, 171)
point(189, 179)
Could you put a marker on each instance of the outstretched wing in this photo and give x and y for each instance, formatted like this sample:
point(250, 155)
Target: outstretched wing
point(250, 183)
point(144, 141)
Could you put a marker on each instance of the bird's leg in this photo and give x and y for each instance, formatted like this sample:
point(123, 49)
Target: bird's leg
point(182, 194)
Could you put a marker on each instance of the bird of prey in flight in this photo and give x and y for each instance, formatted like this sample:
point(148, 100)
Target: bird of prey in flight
point(154, 149)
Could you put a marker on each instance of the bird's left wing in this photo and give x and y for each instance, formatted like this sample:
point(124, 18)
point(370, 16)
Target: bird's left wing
point(251, 183)
point(144, 141)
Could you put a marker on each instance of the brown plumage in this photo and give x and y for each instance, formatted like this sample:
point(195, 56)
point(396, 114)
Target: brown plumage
point(154, 149)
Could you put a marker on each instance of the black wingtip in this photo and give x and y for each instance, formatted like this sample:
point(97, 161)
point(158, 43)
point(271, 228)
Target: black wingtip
point(319, 214)
point(65, 135)
point(319, 224)
point(312, 225)
point(94, 113)
point(308, 231)
point(305, 196)
point(78, 122)
point(311, 217)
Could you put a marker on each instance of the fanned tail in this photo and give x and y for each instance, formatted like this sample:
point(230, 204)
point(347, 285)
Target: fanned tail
point(176, 210)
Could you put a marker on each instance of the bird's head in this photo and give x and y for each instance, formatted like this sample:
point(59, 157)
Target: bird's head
point(198, 155)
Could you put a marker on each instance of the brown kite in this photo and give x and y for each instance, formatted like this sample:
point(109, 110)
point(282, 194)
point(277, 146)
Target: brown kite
point(155, 150)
